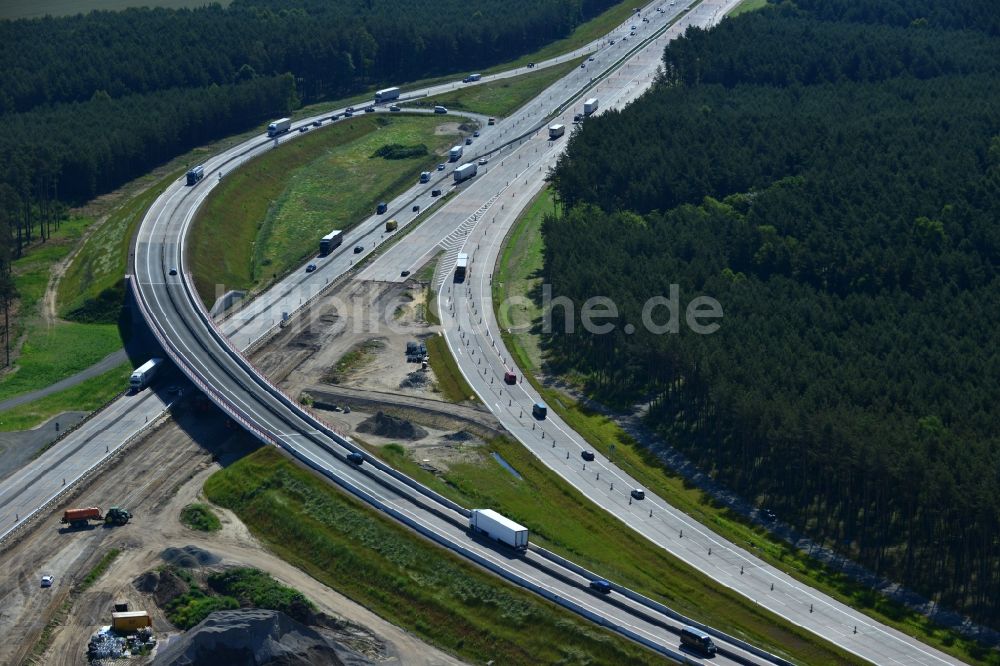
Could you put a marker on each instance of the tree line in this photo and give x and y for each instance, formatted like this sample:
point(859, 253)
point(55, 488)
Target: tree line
point(834, 182)
point(91, 101)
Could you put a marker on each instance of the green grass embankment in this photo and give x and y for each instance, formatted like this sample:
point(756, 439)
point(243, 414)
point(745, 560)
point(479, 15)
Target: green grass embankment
point(275, 209)
point(403, 577)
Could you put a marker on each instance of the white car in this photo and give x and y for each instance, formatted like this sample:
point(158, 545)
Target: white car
point(47, 581)
point(483, 161)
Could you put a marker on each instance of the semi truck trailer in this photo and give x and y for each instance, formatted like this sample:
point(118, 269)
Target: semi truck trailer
point(499, 528)
point(465, 172)
point(279, 127)
point(461, 266)
point(386, 95)
point(143, 375)
point(330, 241)
point(590, 106)
point(195, 175)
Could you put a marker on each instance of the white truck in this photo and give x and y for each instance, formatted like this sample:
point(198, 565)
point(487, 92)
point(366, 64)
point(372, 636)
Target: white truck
point(590, 106)
point(386, 95)
point(465, 172)
point(455, 153)
point(461, 266)
point(499, 528)
point(143, 375)
point(556, 131)
point(279, 127)
point(472, 77)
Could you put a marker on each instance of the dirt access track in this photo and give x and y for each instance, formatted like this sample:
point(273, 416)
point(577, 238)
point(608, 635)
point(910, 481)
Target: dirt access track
point(154, 479)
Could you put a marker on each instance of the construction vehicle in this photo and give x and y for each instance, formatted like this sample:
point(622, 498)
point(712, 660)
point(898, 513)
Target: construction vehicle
point(82, 517)
point(391, 225)
point(117, 516)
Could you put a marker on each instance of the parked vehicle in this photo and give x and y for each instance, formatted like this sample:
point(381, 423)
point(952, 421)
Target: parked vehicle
point(499, 528)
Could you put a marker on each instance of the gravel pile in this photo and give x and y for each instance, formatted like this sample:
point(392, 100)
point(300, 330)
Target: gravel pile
point(391, 427)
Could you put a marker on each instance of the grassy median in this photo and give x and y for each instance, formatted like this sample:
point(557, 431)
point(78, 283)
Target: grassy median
point(401, 576)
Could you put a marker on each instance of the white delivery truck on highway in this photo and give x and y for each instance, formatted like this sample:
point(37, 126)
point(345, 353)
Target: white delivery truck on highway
point(499, 528)
point(556, 131)
point(143, 375)
point(465, 172)
point(279, 127)
point(461, 266)
point(454, 153)
point(590, 106)
point(386, 95)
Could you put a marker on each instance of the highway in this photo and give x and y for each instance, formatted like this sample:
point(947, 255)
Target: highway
point(209, 355)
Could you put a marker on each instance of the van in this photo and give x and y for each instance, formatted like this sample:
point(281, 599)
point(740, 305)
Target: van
point(698, 640)
point(539, 411)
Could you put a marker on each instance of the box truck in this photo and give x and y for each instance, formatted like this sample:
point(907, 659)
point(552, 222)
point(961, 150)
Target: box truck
point(465, 172)
point(499, 528)
point(279, 127)
point(144, 374)
point(455, 153)
point(590, 106)
point(386, 95)
point(556, 131)
point(195, 175)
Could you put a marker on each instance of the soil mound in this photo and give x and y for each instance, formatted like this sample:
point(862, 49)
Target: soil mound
point(189, 557)
point(391, 427)
point(255, 637)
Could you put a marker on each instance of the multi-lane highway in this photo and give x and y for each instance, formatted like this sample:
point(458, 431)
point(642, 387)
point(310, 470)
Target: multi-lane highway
point(476, 216)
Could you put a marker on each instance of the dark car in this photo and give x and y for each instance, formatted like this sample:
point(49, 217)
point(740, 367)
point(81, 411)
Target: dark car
point(173, 271)
point(355, 458)
point(638, 494)
point(435, 193)
point(358, 249)
point(468, 140)
point(317, 123)
point(601, 585)
point(509, 377)
point(476, 133)
point(416, 208)
point(369, 109)
point(404, 273)
point(304, 128)
point(310, 268)
point(587, 455)
point(578, 117)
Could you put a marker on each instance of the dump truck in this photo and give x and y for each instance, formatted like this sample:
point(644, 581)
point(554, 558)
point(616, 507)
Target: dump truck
point(386, 95)
point(130, 621)
point(499, 528)
point(590, 106)
point(279, 127)
point(82, 517)
point(556, 131)
point(461, 266)
point(465, 172)
point(143, 375)
point(455, 153)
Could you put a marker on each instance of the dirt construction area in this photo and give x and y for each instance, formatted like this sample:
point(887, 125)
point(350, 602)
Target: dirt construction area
point(349, 353)
point(155, 479)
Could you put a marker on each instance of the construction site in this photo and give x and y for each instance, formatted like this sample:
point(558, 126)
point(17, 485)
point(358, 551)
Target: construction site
point(120, 614)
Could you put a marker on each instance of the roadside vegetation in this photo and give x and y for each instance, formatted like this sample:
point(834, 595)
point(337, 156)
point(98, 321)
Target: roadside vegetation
point(499, 98)
point(199, 516)
point(401, 576)
point(566, 522)
point(747, 6)
point(241, 587)
point(450, 381)
point(519, 273)
point(86, 396)
point(277, 207)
